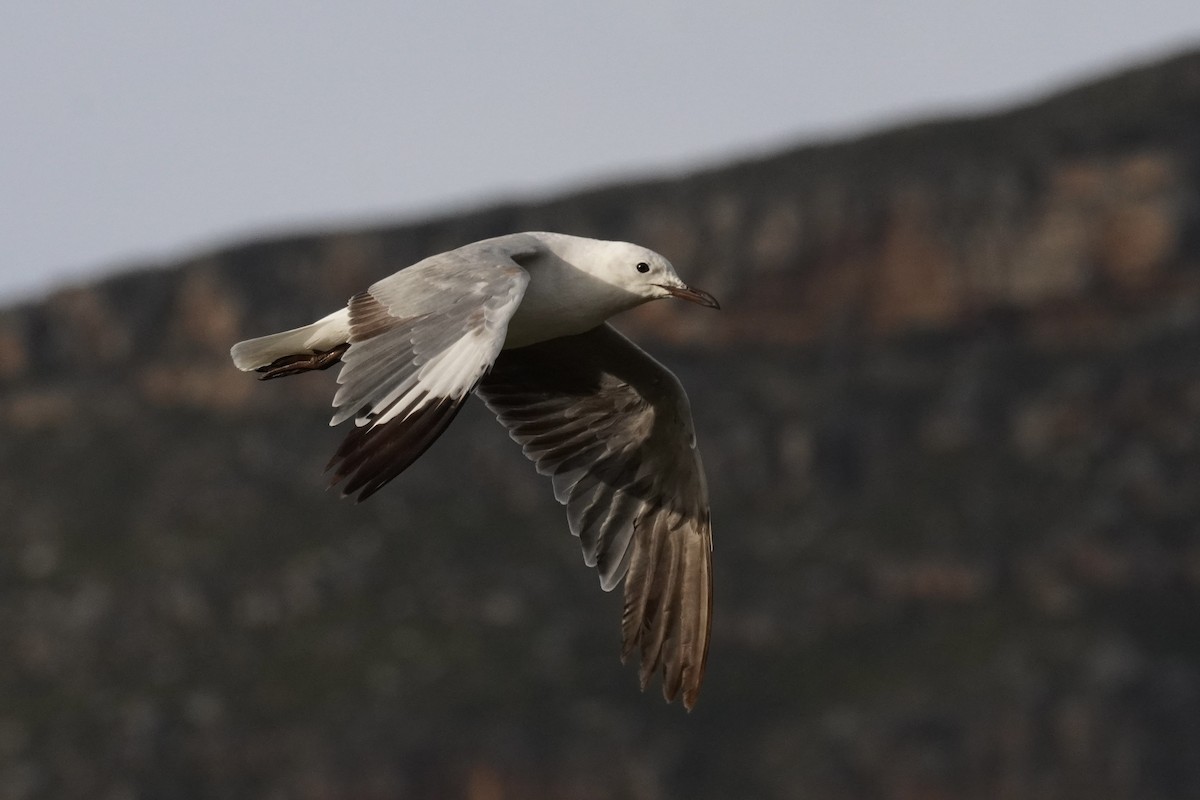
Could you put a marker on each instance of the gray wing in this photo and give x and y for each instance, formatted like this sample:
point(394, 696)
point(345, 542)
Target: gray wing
point(419, 342)
point(613, 429)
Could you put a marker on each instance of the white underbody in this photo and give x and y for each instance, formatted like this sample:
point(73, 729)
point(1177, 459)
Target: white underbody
point(559, 303)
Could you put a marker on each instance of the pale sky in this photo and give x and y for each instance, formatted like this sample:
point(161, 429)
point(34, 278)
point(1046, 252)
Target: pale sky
point(135, 132)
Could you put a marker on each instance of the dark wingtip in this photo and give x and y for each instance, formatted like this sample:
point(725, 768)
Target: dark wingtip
point(372, 455)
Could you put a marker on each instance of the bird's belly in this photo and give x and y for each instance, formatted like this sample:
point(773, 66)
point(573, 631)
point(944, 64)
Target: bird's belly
point(537, 321)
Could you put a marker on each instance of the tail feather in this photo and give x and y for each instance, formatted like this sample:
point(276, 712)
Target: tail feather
point(324, 334)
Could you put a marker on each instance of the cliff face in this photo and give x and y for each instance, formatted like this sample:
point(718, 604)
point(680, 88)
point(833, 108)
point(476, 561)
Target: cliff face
point(950, 415)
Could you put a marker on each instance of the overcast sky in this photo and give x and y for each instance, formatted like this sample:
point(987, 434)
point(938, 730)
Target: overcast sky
point(138, 131)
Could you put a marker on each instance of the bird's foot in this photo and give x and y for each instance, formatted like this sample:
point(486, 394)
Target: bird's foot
point(302, 362)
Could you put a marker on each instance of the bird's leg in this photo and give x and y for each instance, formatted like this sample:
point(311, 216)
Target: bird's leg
point(302, 362)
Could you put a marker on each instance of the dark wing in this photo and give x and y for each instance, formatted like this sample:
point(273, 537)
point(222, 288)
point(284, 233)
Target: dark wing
point(419, 342)
point(613, 429)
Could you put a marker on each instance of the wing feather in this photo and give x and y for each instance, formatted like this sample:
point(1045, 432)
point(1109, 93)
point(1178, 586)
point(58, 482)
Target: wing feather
point(419, 342)
point(613, 430)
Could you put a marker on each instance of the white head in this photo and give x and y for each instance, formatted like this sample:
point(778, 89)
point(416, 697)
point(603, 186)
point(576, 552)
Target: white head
point(637, 271)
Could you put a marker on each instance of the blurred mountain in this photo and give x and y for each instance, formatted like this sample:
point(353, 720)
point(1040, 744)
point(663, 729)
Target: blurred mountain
point(951, 417)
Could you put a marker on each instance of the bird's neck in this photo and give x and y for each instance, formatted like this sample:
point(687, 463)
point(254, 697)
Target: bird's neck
point(562, 300)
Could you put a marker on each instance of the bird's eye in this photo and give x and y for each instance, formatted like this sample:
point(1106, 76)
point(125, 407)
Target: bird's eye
point(643, 266)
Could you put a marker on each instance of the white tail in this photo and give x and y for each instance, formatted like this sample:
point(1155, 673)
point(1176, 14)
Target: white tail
point(323, 334)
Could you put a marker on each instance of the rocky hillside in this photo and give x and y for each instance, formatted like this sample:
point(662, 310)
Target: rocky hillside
point(951, 416)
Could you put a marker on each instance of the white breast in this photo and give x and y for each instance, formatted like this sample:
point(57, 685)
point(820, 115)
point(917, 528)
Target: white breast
point(563, 301)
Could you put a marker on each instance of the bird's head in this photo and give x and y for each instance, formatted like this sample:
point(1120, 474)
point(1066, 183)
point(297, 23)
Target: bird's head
point(647, 275)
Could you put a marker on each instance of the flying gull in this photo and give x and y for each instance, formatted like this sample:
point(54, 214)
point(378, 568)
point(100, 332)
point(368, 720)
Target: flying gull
point(521, 320)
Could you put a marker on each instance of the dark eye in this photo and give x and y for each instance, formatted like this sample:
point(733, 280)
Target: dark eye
point(643, 266)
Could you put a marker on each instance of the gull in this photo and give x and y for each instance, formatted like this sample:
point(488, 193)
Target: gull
point(521, 321)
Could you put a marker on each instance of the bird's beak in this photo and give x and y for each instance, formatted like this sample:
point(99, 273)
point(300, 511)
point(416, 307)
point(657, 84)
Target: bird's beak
point(695, 295)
